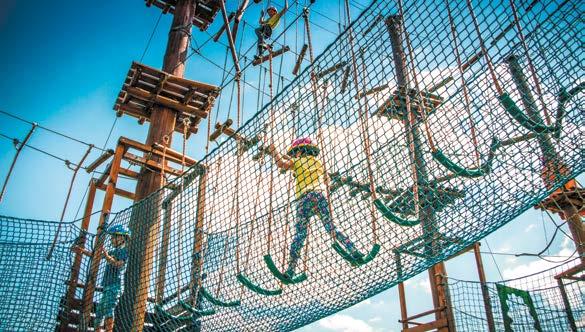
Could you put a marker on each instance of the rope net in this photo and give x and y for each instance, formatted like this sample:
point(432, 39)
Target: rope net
point(536, 303)
point(429, 143)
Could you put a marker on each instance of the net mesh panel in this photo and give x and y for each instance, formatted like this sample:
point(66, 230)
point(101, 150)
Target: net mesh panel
point(470, 313)
point(247, 207)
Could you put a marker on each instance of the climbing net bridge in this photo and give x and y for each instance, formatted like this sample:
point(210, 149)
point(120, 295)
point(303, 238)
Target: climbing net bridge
point(438, 122)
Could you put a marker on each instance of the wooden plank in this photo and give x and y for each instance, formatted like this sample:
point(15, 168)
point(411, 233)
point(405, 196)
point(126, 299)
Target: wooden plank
point(274, 54)
point(100, 160)
point(129, 173)
point(331, 69)
point(300, 58)
point(165, 101)
point(222, 29)
point(171, 155)
point(118, 192)
point(428, 326)
point(150, 164)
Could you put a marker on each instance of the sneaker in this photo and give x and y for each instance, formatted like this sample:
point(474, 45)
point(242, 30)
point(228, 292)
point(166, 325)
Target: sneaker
point(356, 255)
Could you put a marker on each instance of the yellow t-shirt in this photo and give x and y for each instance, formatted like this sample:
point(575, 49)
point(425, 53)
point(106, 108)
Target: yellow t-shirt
point(308, 173)
point(273, 21)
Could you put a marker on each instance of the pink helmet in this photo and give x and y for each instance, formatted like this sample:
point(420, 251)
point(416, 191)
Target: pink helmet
point(305, 145)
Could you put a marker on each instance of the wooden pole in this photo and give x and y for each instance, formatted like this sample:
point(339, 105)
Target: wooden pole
point(484, 289)
point(144, 227)
point(163, 256)
point(567, 304)
point(197, 264)
point(95, 259)
point(403, 309)
point(74, 276)
point(238, 17)
point(426, 215)
point(230, 38)
point(18, 149)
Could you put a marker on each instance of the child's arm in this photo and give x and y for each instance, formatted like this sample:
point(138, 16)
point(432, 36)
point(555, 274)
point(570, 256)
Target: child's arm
point(81, 250)
point(281, 162)
point(261, 19)
point(112, 260)
point(284, 10)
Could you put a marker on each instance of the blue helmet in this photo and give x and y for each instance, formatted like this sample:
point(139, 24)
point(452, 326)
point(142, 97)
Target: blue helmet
point(119, 230)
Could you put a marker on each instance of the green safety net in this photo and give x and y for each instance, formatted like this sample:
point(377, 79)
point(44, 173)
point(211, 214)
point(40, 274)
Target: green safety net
point(528, 303)
point(364, 138)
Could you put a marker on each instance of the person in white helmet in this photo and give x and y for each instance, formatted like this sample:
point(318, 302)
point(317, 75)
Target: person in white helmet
point(267, 26)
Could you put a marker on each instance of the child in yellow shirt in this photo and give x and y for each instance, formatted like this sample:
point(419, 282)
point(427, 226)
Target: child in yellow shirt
point(309, 174)
point(267, 26)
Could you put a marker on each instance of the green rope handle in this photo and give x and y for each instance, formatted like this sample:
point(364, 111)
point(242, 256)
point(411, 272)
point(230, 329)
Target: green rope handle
point(392, 216)
point(280, 276)
point(218, 302)
point(356, 262)
point(482, 170)
point(564, 97)
point(526, 122)
point(257, 289)
point(196, 312)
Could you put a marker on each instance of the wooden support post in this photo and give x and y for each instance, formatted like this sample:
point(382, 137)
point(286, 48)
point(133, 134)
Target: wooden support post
point(403, 308)
point(77, 259)
point(101, 159)
point(197, 254)
point(271, 54)
point(426, 215)
point(567, 304)
point(230, 39)
point(222, 29)
point(18, 149)
point(238, 18)
point(300, 58)
point(163, 256)
point(96, 257)
point(58, 231)
point(484, 289)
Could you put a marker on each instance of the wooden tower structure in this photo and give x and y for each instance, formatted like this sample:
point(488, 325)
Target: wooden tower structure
point(171, 104)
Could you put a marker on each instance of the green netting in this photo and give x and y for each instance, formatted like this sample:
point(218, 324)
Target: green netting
point(367, 143)
point(529, 303)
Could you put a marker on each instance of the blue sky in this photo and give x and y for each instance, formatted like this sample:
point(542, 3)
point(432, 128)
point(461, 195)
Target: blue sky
point(63, 64)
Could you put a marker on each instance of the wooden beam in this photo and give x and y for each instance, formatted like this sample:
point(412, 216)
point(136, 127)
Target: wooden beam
point(222, 29)
point(165, 101)
point(238, 18)
point(102, 179)
point(98, 245)
point(171, 155)
point(118, 192)
point(226, 24)
point(150, 164)
point(435, 325)
point(274, 54)
point(484, 288)
point(300, 58)
point(100, 160)
point(129, 173)
point(331, 69)
point(345, 79)
point(78, 258)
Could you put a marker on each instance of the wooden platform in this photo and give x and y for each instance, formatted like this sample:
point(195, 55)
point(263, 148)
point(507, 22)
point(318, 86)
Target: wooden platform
point(395, 106)
point(561, 199)
point(145, 87)
point(205, 10)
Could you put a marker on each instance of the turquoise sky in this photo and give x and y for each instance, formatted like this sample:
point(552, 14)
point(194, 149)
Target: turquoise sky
point(62, 65)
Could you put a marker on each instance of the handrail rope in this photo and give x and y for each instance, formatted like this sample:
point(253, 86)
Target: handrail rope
point(463, 83)
point(530, 64)
point(50, 130)
point(363, 115)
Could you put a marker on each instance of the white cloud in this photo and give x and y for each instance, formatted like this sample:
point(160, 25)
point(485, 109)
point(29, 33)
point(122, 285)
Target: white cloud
point(345, 323)
point(375, 319)
point(529, 228)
